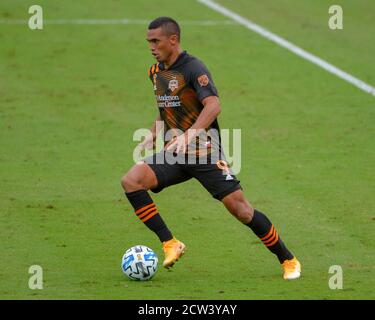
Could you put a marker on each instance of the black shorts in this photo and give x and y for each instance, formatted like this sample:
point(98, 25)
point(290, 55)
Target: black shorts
point(215, 176)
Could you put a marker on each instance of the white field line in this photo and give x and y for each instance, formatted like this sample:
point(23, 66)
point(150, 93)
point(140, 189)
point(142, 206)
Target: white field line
point(116, 22)
point(289, 46)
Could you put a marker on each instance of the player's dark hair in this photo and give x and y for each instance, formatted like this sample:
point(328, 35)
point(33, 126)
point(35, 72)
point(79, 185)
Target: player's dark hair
point(168, 25)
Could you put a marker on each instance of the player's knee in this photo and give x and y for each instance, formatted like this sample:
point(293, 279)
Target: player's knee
point(245, 217)
point(244, 213)
point(130, 183)
point(125, 182)
point(134, 180)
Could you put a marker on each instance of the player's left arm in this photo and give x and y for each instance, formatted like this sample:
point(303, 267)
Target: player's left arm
point(208, 114)
point(204, 86)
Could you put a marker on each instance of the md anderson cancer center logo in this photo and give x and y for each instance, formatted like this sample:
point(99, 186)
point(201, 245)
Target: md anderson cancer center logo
point(169, 101)
point(165, 101)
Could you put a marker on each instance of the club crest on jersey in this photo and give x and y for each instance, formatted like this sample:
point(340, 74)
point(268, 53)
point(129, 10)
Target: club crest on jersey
point(173, 84)
point(203, 80)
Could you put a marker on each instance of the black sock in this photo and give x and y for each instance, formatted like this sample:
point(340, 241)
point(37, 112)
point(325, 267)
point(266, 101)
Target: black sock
point(146, 210)
point(265, 230)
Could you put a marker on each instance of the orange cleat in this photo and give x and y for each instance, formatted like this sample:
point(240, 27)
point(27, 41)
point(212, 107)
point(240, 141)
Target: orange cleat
point(292, 269)
point(173, 250)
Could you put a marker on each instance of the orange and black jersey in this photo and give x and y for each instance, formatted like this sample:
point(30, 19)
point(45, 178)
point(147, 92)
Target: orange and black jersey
point(179, 91)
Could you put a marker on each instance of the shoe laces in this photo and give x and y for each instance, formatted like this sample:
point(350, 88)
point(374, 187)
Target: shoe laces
point(289, 264)
point(169, 244)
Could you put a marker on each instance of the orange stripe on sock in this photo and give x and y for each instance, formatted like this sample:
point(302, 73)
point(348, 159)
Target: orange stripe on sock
point(144, 208)
point(268, 234)
point(273, 242)
point(270, 239)
point(146, 213)
point(149, 216)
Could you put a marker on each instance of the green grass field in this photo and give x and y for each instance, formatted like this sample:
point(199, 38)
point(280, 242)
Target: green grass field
point(71, 97)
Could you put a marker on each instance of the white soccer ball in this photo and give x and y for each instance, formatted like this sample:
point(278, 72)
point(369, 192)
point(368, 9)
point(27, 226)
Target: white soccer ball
point(139, 263)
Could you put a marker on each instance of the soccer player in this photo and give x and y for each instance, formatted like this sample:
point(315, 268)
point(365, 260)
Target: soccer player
point(188, 105)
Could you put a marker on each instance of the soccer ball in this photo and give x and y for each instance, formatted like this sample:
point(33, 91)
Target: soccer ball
point(139, 263)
